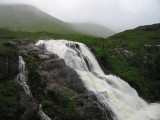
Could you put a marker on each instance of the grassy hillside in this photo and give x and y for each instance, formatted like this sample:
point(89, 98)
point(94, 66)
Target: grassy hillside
point(134, 55)
point(92, 29)
point(7, 35)
point(29, 18)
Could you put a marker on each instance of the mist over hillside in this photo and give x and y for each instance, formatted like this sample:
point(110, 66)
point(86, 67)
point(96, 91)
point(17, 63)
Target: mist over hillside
point(29, 18)
point(92, 29)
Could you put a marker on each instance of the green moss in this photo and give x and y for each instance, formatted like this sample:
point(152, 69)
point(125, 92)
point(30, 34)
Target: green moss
point(51, 55)
point(48, 108)
point(46, 103)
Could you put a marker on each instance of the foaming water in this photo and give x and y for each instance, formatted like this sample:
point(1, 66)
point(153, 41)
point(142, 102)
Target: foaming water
point(22, 76)
point(42, 114)
point(22, 80)
point(113, 92)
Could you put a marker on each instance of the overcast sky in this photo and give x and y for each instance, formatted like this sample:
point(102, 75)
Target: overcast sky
point(117, 15)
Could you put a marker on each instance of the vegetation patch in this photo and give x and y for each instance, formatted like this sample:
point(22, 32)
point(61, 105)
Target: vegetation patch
point(34, 77)
point(10, 109)
point(140, 70)
point(60, 105)
point(48, 108)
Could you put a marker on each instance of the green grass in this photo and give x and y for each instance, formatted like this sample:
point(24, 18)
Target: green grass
point(139, 71)
point(7, 35)
point(31, 19)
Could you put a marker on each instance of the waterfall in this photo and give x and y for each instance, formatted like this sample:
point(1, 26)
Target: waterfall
point(113, 92)
point(42, 114)
point(22, 76)
point(22, 80)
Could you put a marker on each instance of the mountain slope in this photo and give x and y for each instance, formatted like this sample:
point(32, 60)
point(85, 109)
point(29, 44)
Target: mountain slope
point(29, 18)
point(134, 55)
point(92, 29)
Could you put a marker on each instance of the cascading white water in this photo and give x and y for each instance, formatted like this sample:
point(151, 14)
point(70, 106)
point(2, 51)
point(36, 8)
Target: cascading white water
point(22, 80)
point(22, 76)
point(110, 90)
point(42, 114)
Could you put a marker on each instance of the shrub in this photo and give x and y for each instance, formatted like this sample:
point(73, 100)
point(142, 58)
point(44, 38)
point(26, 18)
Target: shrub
point(48, 108)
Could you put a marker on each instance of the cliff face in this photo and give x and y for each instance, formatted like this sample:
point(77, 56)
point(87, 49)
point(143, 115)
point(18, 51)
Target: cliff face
point(8, 67)
point(53, 84)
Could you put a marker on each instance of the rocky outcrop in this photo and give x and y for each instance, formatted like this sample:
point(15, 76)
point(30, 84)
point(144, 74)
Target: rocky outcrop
point(55, 72)
point(58, 77)
point(124, 53)
point(8, 66)
point(29, 103)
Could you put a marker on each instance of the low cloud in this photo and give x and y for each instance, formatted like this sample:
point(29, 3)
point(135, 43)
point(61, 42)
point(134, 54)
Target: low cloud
point(117, 15)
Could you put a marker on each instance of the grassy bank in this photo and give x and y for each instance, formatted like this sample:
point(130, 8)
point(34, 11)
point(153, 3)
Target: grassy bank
point(140, 70)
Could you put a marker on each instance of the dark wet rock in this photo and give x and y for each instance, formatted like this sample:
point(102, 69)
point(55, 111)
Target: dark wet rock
point(154, 27)
point(118, 36)
point(120, 43)
point(10, 43)
point(60, 77)
point(27, 102)
point(8, 67)
point(43, 57)
point(106, 71)
point(124, 53)
point(73, 46)
point(90, 108)
point(56, 71)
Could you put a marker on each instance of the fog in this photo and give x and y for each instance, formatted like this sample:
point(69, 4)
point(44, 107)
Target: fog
point(117, 15)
